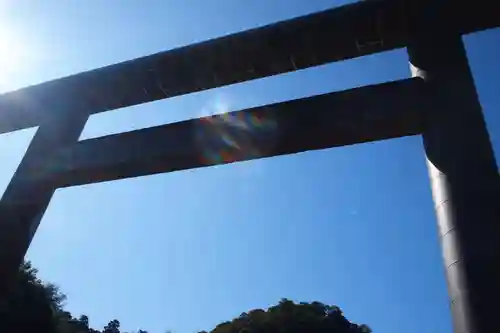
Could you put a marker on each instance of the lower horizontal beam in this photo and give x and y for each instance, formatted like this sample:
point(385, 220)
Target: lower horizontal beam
point(358, 115)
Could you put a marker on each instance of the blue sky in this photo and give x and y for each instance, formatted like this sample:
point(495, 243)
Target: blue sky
point(351, 226)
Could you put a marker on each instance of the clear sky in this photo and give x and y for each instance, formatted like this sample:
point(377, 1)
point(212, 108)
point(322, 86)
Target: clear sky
point(351, 226)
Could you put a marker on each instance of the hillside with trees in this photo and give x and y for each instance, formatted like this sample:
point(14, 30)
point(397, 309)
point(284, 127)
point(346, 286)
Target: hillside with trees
point(38, 307)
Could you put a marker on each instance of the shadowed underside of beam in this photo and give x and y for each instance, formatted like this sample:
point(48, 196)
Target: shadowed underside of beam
point(358, 115)
point(337, 34)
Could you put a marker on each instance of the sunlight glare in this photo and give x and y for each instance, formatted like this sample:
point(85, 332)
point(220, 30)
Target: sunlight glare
point(13, 56)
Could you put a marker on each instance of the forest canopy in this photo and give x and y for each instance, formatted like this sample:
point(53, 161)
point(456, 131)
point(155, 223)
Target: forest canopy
point(38, 307)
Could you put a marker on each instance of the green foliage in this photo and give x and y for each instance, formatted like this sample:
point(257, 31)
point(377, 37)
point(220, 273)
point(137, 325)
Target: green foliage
point(289, 317)
point(34, 306)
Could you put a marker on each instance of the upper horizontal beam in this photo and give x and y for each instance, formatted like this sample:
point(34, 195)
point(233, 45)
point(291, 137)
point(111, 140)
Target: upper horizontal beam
point(340, 33)
point(364, 114)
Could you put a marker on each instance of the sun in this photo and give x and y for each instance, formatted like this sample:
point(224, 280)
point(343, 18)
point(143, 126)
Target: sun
point(14, 58)
point(12, 52)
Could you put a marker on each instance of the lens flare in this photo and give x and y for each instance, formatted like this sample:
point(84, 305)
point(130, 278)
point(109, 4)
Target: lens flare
point(235, 136)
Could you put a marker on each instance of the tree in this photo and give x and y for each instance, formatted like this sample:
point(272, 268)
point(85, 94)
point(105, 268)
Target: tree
point(289, 317)
point(84, 320)
point(34, 306)
point(112, 327)
point(29, 304)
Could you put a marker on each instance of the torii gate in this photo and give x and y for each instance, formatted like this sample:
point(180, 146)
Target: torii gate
point(440, 103)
